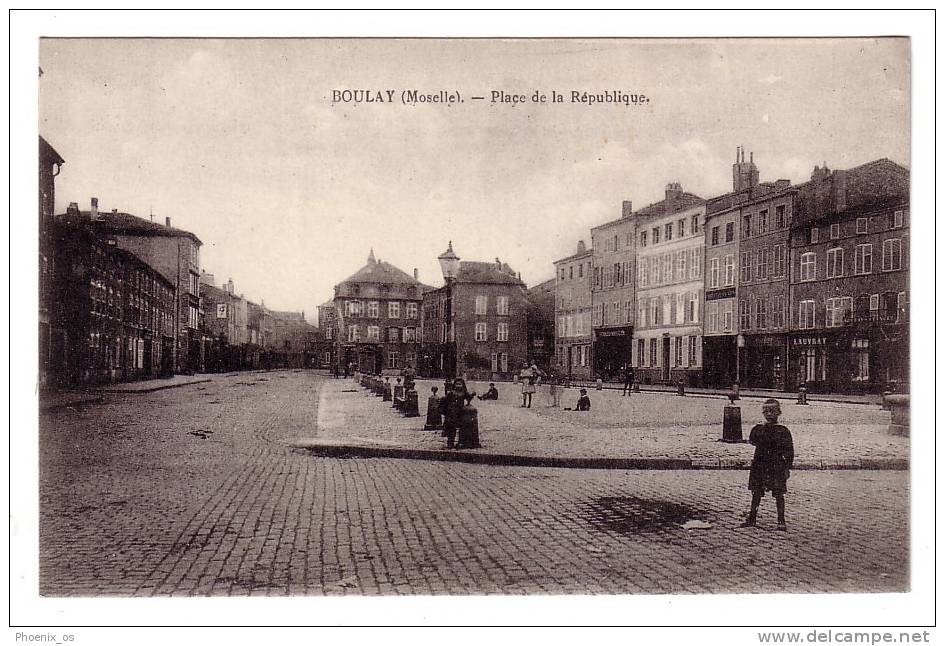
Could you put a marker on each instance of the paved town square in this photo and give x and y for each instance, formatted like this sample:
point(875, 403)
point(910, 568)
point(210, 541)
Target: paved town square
point(198, 490)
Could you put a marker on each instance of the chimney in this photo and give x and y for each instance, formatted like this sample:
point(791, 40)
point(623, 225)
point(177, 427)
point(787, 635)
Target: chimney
point(93, 213)
point(673, 192)
point(416, 274)
point(167, 221)
point(627, 208)
point(581, 248)
point(73, 209)
point(229, 286)
point(840, 189)
point(744, 175)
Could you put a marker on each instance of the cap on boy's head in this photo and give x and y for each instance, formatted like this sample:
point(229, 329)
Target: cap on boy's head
point(583, 391)
point(771, 402)
point(434, 389)
point(491, 384)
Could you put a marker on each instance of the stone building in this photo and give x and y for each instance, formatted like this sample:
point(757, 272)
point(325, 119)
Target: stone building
point(50, 163)
point(475, 327)
point(849, 291)
point(574, 334)
point(540, 319)
point(326, 327)
point(720, 322)
point(668, 334)
point(377, 318)
point(294, 339)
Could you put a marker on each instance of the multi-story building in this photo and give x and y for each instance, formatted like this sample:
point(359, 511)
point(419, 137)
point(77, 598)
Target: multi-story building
point(377, 315)
point(475, 326)
point(849, 289)
point(540, 318)
point(115, 311)
point(574, 333)
point(295, 339)
point(175, 253)
point(613, 248)
point(50, 163)
point(668, 334)
point(226, 323)
point(720, 323)
point(326, 326)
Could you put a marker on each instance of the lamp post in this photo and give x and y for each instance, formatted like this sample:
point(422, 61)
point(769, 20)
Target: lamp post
point(449, 265)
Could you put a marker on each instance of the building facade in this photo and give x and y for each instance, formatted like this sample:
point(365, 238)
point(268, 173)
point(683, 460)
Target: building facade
point(476, 326)
point(668, 335)
point(574, 332)
point(50, 164)
point(326, 326)
point(849, 293)
point(540, 318)
point(720, 326)
point(377, 316)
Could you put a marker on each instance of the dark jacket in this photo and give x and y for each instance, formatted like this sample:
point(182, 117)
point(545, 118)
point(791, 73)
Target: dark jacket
point(584, 403)
point(774, 456)
point(492, 393)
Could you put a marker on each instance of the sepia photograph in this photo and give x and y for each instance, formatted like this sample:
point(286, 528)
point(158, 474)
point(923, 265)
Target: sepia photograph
point(452, 317)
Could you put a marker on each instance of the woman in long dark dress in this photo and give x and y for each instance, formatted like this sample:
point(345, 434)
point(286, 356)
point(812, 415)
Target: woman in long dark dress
point(452, 407)
point(770, 468)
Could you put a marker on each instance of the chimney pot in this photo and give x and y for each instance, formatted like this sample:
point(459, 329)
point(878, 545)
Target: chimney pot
point(73, 208)
point(94, 210)
point(167, 221)
point(416, 274)
point(627, 208)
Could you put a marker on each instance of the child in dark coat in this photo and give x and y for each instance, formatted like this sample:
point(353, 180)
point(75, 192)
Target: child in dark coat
point(584, 402)
point(770, 468)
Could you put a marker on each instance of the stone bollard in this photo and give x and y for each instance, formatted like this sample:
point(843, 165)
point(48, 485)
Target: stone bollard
point(681, 388)
point(899, 414)
point(802, 396)
point(434, 415)
point(735, 389)
point(468, 437)
point(732, 423)
point(386, 391)
point(398, 397)
point(411, 407)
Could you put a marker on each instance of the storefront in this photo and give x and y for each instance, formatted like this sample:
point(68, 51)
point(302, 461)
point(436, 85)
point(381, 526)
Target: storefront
point(763, 361)
point(850, 360)
point(613, 349)
point(719, 354)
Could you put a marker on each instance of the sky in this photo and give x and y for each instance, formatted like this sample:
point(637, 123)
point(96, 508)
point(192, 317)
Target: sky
point(239, 141)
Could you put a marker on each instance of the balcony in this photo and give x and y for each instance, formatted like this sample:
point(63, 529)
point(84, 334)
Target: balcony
point(872, 316)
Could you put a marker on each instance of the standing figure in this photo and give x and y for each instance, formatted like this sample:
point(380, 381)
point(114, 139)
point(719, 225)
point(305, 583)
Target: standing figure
point(627, 380)
point(452, 408)
point(771, 466)
point(527, 377)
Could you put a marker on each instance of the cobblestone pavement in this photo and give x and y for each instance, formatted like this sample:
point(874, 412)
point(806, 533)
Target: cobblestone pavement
point(193, 491)
point(644, 425)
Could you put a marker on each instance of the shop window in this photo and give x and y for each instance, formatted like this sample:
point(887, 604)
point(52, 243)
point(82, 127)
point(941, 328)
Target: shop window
point(860, 351)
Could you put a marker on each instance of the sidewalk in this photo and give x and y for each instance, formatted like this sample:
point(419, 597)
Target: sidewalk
point(650, 429)
point(152, 385)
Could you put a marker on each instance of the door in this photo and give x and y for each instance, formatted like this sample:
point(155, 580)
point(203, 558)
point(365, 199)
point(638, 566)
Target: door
point(666, 350)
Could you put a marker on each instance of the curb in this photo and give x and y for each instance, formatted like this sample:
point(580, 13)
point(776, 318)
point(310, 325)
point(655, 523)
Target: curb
point(136, 391)
point(509, 460)
point(81, 401)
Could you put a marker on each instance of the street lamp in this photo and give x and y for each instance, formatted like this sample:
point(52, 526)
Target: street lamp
point(449, 265)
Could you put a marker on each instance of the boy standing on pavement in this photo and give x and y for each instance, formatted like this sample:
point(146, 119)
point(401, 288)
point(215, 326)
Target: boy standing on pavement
point(770, 468)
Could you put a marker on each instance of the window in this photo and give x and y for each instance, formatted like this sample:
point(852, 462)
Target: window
point(354, 334)
point(410, 334)
point(681, 228)
point(834, 231)
point(762, 220)
point(715, 236)
point(667, 267)
point(393, 334)
point(571, 272)
point(580, 275)
point(695, 263)
point(693, 351)
point(892, 254)
point(835, 263)
point(482, 304)
point(411, 310)
point(628, 311)
point(656, 235)
point(860, 355)
point(373, 333)
point(502, 305)
point(480, 331)
point(495, 362)
point(502, 332)
point(902, 307)
point(779, 216)
point(862, 225)
point(729, 278)
point(745, 275)
point(814, 235)
point(653, 355)
point(695, 224)
point(641, 313)
point(393, 359)
point(838, 310)
point(714, 272)
point(677, 343)
point(599, 314)
point(681, 265)
point(761, 314)
point(640, 352)
point(895, 222)
point(744, 315)
point(393, 310)
point(712, 316)
point(863, 259)
point(669, 231)
point(779, 261)
point(761, 266)
point(643, 238)
point(692, 311)
point(730, 232)
point(644, 273)
point(805, 315)
point(656, 311)
point(728, 323)
point(808, 266)
point(504, 361)
point(777, 311)
point(746, 226)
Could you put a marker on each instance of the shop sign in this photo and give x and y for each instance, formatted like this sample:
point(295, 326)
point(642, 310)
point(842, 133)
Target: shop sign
point(716, 294)
point(612, 333)
point(809, 340)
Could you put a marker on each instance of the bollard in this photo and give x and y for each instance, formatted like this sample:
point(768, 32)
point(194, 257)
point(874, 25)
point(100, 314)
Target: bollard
point(411, 406)
point(681, 388)
point(732, 424)
point(386, 391)
point(636, 386)
point(434, 415)
point(802, 396)
point(735, 389)
point(600, 384)
point(468, 429)
point(398, 397)
point(899, 414)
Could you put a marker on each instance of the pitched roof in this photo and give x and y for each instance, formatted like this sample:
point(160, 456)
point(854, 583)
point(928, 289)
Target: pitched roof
point(128, 224)
point(487, 272)
point(48, 153)
point(381, 272)
point(683, 201)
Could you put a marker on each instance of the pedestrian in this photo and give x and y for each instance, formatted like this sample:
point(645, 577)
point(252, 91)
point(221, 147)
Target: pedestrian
point(527, 376)
point(584, 402)
point(627, 380)
point(492, 393)
point(452, 407)
point(554, 391)
point(771, 465)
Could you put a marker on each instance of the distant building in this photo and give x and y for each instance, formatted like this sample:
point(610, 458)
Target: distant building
point(540, 320)
point(377, 318)
point(574, 334)
point(294, 339)
point(477, 325)
point(326, 328)
point(50, 163)
point(849, 293)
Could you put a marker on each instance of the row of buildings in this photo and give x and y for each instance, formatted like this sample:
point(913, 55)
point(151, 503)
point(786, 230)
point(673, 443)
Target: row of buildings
point(123, 298)
point(771, 285)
